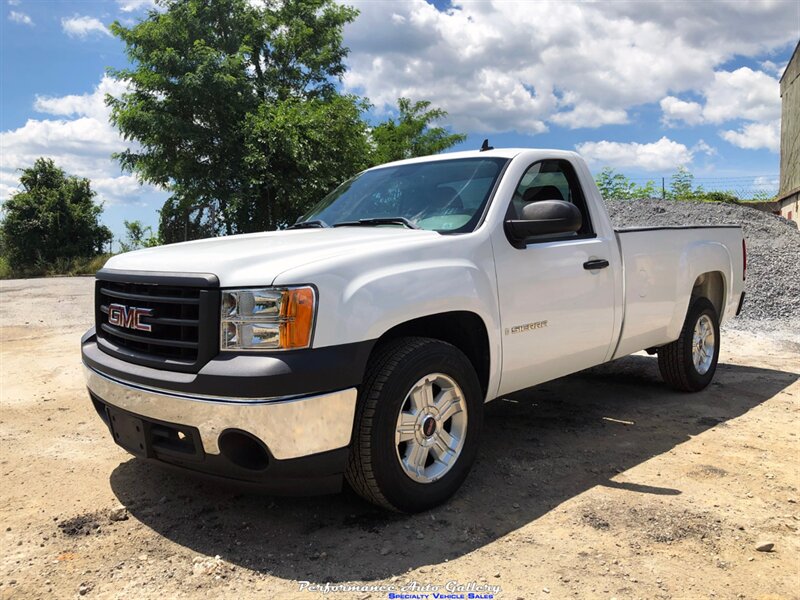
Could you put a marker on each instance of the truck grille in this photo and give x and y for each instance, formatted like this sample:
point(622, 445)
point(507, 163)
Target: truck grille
point(155, 322)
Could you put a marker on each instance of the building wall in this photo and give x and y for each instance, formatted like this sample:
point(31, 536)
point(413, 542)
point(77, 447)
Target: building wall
point(790, 207)
point(790, 128)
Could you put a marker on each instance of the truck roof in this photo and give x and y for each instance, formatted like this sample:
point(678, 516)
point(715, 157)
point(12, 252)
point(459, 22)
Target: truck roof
point(496, 153)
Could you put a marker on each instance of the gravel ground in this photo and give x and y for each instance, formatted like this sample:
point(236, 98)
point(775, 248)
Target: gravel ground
point(773, 253)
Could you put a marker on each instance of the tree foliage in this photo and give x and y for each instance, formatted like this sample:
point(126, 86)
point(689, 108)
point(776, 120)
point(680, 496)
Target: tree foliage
point(681, 186)
point(137, 236)
point(614, 185)
point(54, 218)
point(235, 110)
point(412, 134)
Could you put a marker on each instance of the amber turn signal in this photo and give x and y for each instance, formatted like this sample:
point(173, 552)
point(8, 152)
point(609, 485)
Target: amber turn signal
point(297, 317)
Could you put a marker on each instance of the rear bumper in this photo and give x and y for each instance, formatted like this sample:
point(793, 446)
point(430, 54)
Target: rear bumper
point(301, 441)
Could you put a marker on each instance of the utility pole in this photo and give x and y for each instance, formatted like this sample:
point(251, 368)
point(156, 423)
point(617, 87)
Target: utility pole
point(663, 189)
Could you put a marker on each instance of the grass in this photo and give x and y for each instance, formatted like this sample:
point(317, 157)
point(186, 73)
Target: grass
point(63, 267)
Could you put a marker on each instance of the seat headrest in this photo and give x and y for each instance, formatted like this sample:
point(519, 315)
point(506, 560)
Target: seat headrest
point(543, 192)
point(446, 196)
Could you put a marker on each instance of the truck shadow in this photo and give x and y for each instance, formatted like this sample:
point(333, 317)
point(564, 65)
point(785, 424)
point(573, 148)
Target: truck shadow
point(540, 448)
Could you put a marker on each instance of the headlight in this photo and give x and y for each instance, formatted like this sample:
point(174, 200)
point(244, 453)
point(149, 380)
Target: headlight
point(267, 319)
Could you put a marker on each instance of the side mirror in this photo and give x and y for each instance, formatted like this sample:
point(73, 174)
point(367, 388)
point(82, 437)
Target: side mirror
point(545, 217)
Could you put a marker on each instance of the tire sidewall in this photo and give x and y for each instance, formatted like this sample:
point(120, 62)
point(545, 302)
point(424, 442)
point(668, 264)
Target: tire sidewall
point(700, 307)
point(397, 487)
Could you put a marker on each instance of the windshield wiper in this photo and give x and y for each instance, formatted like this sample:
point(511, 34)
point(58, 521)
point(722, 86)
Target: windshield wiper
point(378, 221)
point(316, 223)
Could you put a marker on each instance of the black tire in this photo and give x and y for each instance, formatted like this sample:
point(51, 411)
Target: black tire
point(374, 470)
point(675, 360)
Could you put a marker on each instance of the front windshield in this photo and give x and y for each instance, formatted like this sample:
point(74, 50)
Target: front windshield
point(444, 195)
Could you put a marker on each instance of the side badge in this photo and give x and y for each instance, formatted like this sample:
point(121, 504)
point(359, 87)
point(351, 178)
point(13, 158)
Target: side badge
point(526, 327)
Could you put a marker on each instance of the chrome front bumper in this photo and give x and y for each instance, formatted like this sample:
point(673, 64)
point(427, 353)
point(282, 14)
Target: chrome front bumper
point(290, 428)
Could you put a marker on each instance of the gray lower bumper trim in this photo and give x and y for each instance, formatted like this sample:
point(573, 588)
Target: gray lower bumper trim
point(290, 428)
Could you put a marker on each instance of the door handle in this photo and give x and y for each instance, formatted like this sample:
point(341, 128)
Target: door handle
point(598, 263)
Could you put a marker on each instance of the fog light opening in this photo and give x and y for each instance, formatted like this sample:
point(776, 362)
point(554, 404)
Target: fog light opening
point(243, 450)
point(100, 408)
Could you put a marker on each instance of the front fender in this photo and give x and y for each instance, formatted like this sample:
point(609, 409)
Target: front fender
point(361, 298)
point(381, 299)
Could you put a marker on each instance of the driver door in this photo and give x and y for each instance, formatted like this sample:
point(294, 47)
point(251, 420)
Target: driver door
point(557, 315)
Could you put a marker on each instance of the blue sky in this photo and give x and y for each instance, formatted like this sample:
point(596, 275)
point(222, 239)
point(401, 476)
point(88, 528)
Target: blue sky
point(643, 87)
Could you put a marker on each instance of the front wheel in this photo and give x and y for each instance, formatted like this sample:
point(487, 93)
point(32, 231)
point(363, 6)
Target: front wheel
point(688, 364)
point(417, 425)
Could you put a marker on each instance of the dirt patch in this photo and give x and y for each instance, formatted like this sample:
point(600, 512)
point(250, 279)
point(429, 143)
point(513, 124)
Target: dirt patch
point(592, 519)
point(656, 522)
point(88, 523)
point(708, 471)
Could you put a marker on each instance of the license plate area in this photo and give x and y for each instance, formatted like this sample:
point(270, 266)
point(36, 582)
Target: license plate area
point(154, 439)
point(129, 432)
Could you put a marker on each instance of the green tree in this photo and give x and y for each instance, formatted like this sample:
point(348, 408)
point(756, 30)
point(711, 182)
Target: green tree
point(298, 151)
point(761, 196)
point(234, 109)
point(648, 190)
point(137, 236)
point(181, 220)
point(614, 185)
point(681, 186)
point(411, 134)
point(53, 218)
point(719, 196)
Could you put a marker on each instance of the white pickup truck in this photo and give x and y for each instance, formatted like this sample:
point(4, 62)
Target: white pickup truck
point(363, 341)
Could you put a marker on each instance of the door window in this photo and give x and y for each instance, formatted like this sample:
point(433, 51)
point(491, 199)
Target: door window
point(551, 180)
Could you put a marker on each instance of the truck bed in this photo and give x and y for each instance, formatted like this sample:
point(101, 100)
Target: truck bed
point(660, 267)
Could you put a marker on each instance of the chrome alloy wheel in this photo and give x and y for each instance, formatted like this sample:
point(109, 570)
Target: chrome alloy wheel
point(431, 428)
point(703, 344)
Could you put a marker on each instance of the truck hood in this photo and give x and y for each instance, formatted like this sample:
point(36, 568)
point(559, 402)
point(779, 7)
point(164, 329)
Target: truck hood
point(258, 258)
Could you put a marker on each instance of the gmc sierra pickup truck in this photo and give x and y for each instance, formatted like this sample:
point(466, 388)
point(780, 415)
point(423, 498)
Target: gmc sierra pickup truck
point(363, 341)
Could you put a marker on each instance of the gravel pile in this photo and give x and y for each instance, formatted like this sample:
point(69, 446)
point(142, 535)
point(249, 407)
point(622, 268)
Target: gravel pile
point(773, 250)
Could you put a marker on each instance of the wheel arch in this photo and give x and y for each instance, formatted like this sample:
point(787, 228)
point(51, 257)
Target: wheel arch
point(701, 274)
point(463, 329)
point(711, 285)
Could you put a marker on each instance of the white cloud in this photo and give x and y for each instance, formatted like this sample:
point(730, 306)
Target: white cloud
point(135, 5)
point(122, 189)
point(13, 2)
point(587, 114)
point(19, 17)
point(774, 68)
point(754, 136)
point(662, 155)
point(740, 95)
point(701, 147)
point(730, 95)
point(499, 66)
point(83, 26)
point(766, 183)
point(676, 110)
point(9, 184)
point(81, 141)
point(84, 105)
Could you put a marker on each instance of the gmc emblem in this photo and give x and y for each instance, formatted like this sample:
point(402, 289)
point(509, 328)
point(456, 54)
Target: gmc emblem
point(129, 316)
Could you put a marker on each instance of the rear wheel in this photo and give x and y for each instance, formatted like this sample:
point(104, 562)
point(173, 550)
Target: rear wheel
point(688, 364)
point(417, 425)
